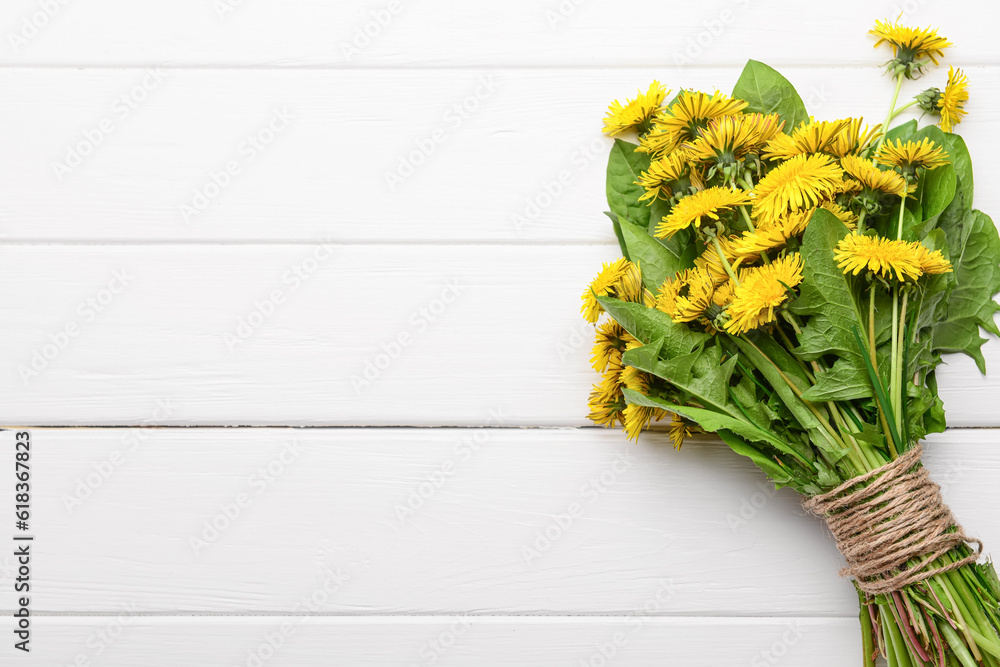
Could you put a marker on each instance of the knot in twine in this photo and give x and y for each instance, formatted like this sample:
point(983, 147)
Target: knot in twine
point(887, 517)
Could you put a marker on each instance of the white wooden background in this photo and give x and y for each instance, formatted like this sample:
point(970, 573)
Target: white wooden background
point(450, 507)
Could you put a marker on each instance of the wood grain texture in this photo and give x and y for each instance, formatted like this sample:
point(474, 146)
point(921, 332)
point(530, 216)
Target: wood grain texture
point(123, 155)
point(422, 204)
point(637, 640)
point(425, 335)
point(438, 521)
point(450, 33)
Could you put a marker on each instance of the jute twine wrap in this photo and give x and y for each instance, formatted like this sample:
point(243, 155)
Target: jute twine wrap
point(887, 517)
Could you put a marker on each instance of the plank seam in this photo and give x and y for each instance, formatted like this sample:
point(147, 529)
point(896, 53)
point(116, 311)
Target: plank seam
point(446, 68)
point(474, 427)
point(432, 615)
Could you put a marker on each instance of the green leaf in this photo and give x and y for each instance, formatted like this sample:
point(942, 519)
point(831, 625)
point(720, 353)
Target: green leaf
point(701, 374)
point(625, 166)
point(650, 324)
point(773, 362)
point(659, 209)
point(937, 189)
point(766, 91)
point(618, 233)
point(975, 248)
point(871, 435)
point(780, 476)
point(714, 422)
point(827, 297)
point(656, 261)
point(761, 354)
point(958, 153)
point(902, 132)
point(746, 397)
point(977, 274)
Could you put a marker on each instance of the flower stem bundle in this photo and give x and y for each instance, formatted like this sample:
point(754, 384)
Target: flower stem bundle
point(792, 285)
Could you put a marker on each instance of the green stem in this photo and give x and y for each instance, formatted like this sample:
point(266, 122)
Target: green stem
point(961, 615)
point(725, 262)
point(792, 346)
point(828, 431)
point(977, 620)
point(900, 652)
point(746, 218)
point(861, 220)
point(892, 108)
point(860, 461)
point(867, 642)
point(894, 360)
point(902, 210)
point(901, 110)
point(889, 439)
point(898, 380)
point(956, 645)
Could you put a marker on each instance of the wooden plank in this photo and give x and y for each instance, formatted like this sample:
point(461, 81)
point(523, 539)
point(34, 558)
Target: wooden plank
point(440, 33)
point(318, 335)
point(476, 156)
point(436, 521)
point(125, 641)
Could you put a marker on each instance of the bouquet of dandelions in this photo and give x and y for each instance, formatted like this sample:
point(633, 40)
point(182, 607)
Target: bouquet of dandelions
point(791, 284)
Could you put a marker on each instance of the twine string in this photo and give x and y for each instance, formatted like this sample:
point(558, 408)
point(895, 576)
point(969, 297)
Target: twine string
point(888, 517)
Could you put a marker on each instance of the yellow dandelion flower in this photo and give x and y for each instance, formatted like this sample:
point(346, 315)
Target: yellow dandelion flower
point(609, 341)
point(790, 224)
point(680, 429)
point(751, 244)
point(885, 257)
point(606, 400)
point(849, 219)
point(854, 138)
point(725, 140)
point(634, 379)
point(637, 113)
point(710, 261)
point(602, 285)
point(953, 99)
point(771, 234)
point(658, 142)
point(912, 155)
point(605, 412)
point(608, 392)
point(761, 291)
point(709, 203)
point(800, 182)
point(690, 113)
point(909, 45)
point(638, 417)
point(869, 175)
point(686, 296)
point(723, 294)
point(932, 261)
point(806, 139)
point(661, 173)
point(669, 292)
point(620, 279)
point(849, 186)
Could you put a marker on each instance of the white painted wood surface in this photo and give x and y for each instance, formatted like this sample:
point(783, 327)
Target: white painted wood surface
point(399, 334)
point(520, 160)
point(444, 33)
point(441, 640)
point(439, 521)
point(307, 261)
